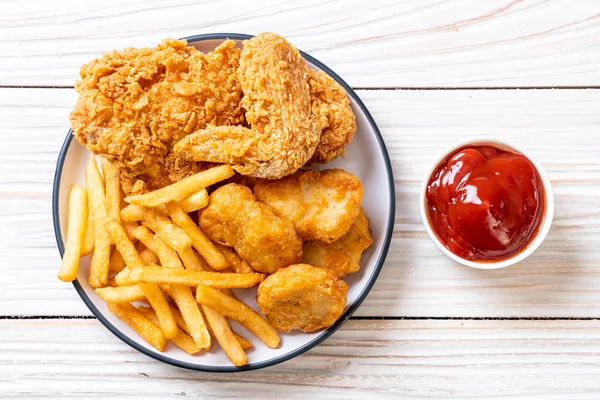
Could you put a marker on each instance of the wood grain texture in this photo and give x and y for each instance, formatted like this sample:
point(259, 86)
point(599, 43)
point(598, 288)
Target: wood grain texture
point(363, 360)
point(562, 279)
point(425, 43)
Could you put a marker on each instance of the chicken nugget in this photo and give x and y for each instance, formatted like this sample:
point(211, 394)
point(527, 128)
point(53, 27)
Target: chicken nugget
point(302, 297)
point(341, 257)
point(264, 240)
point(322, 204)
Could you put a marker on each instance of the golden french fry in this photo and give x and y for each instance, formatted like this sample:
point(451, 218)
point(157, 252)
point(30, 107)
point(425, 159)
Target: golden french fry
point(144, 235)
point(201, 243)
point(193, 278)
point(234, 309)
point(149, 331)
point(194, 201)
point(111, 172)
point(192, 261)
point(100, 262)
point(182, 295)
point(181, 340)
point(90, 228)
point(124, 245)
point(123, 278)
point(235, 261)
point(116, 261)
point(132, 213)
point(121, 294)
point(220, 329)
point(129, 228)
point(183, 188)
point(148, 256)
point(78, 209)
point(245, 343)
point(167, 230)
point(167, 256)
point(179, 319)
point(157, 300)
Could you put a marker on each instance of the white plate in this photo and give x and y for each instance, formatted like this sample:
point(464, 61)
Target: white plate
point(366, 157)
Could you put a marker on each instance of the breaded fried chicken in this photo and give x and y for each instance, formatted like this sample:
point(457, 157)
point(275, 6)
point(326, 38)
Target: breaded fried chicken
point(284, 129)
point(332, 107)
point(136, 104)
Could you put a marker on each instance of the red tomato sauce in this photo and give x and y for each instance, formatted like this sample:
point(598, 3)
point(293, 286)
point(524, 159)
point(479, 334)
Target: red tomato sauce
point(485, 204)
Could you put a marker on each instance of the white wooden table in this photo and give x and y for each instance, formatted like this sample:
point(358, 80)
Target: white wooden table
point(431, 72)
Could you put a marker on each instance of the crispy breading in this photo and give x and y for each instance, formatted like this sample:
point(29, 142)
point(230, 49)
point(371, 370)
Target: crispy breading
point(302, 297)
point(284, 129)
point(341, 257)
point(134, 105)
point(322, 204)
point(337, 120)
point(234, 218)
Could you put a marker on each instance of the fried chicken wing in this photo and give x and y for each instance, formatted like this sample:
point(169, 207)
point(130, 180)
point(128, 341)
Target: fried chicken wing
point(302, 297)
point(134, 105)
point(234, 218)
point(341, 257)
point(284, 130)
point(337, 120)
point(322, 204)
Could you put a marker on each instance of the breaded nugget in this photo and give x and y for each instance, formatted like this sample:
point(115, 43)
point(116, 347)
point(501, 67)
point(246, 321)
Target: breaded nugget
point(341, 257)
point(302, 297)
point(234, 218)
point(332, 107)
point(134, 105)
point(284, 129)
point(322, 204)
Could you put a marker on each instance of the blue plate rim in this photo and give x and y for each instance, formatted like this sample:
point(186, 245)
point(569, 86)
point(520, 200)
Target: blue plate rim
point(307, 346)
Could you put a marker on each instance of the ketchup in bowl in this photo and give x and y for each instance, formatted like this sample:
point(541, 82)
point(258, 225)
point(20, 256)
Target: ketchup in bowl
point(485, 204)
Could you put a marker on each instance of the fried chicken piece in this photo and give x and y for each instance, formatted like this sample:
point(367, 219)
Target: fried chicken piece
point(284, 130)
point(341, 257)
point(134, 105)
point(234, 218)
point(302, 297)
point(322, 204)
point(337, 120)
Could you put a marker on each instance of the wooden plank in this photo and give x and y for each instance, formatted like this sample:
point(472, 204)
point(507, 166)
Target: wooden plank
point(365, 359)
point(427, 43)
point(562, 279)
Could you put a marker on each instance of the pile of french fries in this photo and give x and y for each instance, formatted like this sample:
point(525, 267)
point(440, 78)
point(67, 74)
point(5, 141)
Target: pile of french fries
point(147, 248)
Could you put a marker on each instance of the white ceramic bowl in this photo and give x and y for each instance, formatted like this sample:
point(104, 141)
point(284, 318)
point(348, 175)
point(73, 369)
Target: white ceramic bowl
point(366, 157)
point(546, 219)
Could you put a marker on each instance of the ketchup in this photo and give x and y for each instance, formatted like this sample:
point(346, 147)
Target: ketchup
point(485, 204)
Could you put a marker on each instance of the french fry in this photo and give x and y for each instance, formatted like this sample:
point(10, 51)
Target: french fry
point(129, 228)
point(181, 340)
point(194, 201)
point(179, 319)
point(124, 245)
point(182, 295)
point(100, 262)
point(123, 278)
point(192, 261)
point(167, 256)
point(157, 300)
point(245, 343)
point(236, 262)
point(144, 235)
point(167, 230)
point(112, 282)
point(234, 309)
point(149, 331)
point(201, 243)
point(148, 256)
point(222, 332)
point(90, 228)
point(183, 188)
point(78, 209)
point(193, 278)
point(111, 172)
point(121, 294)
point(116, 261)
point(132, 213)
